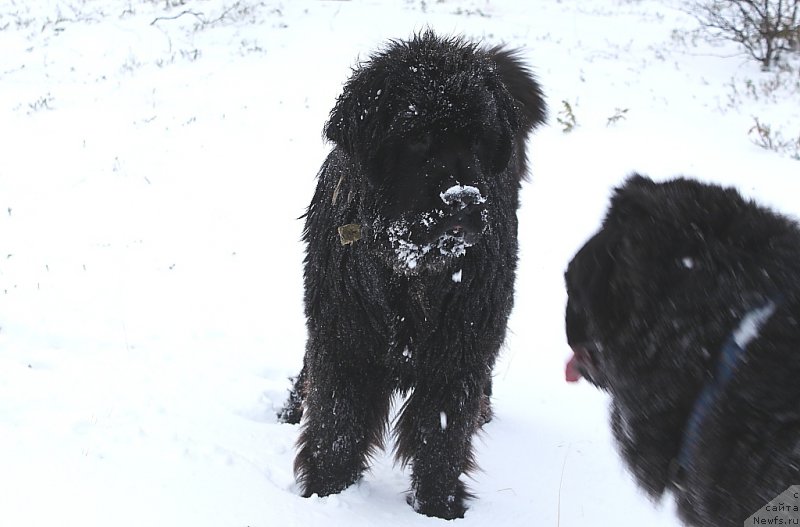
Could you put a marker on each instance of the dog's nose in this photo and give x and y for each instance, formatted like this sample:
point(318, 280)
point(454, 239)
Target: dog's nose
point(459, 197)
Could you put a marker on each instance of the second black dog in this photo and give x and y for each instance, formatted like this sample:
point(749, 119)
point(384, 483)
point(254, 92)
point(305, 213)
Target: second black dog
point(409, 273)
point(685, 308)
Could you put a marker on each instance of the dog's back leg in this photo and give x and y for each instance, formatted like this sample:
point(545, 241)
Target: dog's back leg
point(292, 411)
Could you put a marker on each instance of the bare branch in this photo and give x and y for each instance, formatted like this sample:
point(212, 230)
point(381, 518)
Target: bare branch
point(199, 16)
point(764, 28)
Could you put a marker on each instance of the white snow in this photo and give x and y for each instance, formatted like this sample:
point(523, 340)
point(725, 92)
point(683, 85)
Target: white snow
point(155, 159)
point(457, 276)
point(407, 353)
point(443, 420)
point(409, 253)
point(751, 324)
point(459, 192)
point(688, 262)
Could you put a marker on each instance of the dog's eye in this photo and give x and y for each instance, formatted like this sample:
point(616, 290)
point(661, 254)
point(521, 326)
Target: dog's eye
point(485, 146)
point(489, 150)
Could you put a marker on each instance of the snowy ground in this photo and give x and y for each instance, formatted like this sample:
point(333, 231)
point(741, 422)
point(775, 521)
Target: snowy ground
point(154, 158)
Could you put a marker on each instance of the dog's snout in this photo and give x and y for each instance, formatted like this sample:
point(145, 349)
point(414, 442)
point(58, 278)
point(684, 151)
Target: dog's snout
point(466, 199)
point(459, 197)
point(466, 222)
point(584, 363)
point(470, 216)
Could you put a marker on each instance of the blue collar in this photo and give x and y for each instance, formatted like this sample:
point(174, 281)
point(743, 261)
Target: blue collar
point(730, 358)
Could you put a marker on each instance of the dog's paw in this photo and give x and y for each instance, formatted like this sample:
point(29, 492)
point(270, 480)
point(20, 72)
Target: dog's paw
point(447, 507)
point(326, 484)
point(290, 413)
point(437, 503)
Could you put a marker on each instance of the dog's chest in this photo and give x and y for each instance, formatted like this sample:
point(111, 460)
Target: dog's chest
point(422, 316)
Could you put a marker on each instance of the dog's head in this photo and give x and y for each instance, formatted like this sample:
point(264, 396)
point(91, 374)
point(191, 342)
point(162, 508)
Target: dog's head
point(674, 268)
point(435, 128)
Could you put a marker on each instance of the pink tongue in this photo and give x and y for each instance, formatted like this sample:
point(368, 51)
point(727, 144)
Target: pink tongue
point(572, 373)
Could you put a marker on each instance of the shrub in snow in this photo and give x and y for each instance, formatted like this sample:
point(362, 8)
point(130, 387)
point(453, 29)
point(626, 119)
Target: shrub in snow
point(765, 28)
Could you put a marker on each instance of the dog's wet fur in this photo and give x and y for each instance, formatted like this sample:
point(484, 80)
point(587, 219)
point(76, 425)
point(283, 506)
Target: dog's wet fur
point(679, 271)
point(428, 157)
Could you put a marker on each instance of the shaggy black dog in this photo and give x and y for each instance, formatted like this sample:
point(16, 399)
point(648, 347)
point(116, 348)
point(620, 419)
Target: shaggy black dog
point(684, 307)
point(410, 261)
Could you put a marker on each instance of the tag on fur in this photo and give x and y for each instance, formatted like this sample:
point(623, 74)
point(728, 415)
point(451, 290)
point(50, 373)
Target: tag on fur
point(349, 233)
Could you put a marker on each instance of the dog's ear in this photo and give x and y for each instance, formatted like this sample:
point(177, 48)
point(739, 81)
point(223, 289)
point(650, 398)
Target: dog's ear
point(634, 201)
point(356, 120)
point(522, 85)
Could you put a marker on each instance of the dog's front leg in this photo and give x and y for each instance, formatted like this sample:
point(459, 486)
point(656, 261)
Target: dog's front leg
point(434, 434)
point(345, 411)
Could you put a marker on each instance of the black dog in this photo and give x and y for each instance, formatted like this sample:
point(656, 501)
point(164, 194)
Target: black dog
point(684, 307)
point(409, 272)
